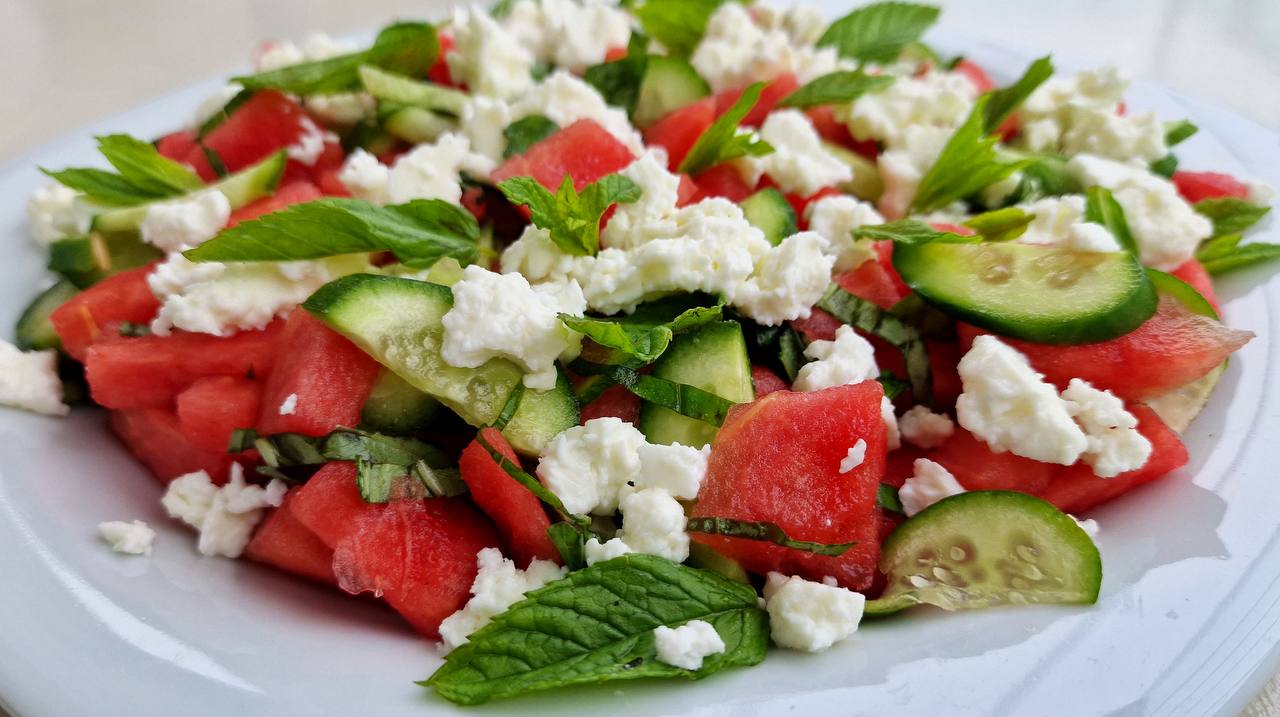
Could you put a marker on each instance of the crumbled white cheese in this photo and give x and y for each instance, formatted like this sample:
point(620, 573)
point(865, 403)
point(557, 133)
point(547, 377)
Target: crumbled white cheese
point(688, 645)
point(929, 483)
point(803, 24)
point(278, 55)
point(434, 171)
point(1166, 228)
point(501, 315)
point(564, 99)
point(677, 469)
point(29, 380)
point(809, 616)
point(499, 584)
point(538, 258)
point(1059, 221)
point(854, 458)
point(939, 100)
point(310, 145)
point(735, 51)
point(316, 46)
point(652, 216)
point(365, 177)
point(903, 167)
point(1088, 525)
point(486, 57)
point(653, 522)
point(1080, 114)
point(186, 222)
point(835, 218)
point(893, 435)
point(1115, 445)
point(847, 359)
point(1007, 404)
point(788, 280)
point(597, 552)
point(55, 212)
point(289, 405)
point(587, 466)
point(798, 164)
point(484, 121)
point(129, 537)
point(571, 34)
point(925, 429)
point(1260, 192)
point(224, 516)
point(213, 104)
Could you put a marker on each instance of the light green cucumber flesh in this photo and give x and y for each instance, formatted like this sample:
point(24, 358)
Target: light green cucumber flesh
point(408, 91)
point(396, 407)
point(706, 558)
point(34, 332)
point(713, 358)
point(85, 261)
point(416, 125)
point(866, 183)
point(1036, 293)
point(770, 212)
point(987, 548)
point(669, 83)
point(399, 322)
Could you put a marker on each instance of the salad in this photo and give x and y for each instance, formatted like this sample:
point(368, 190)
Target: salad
point(606, 342)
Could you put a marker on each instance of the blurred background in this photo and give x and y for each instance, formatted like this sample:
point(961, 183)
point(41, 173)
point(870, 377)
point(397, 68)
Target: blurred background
point(69, 62)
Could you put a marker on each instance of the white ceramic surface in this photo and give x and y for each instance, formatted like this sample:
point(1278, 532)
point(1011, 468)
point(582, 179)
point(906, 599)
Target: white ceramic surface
point(1187, 624)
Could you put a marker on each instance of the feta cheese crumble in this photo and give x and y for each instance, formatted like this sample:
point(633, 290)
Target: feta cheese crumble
point(224, 516)
point(735, 51)
point(893, 435)
point(929, 483)
point(677, 469)
point(902, 167)
point(788, 280)
point(565, 98)
point(653, 522)
point(835, 218)
point(1115, 445)
point(366, 177)
point(29, 381)
point(213, 104)
point(1088, 525)
point(587, 466)
point(129, 537)
point(653, 216)
point(1080, 114)
point(55, 212)
point(180, 224)
point(572, 34)
point(486, 57)
point(809, 616)
point(434, 171)
point(799, 164)
point(925, 429)
point(939, 100)
point(847, 359)
point(688, 645)
point(310, 145)
point(289, 405)
point(499, 584)
point(501, 315)
point(854, 458)
point(597, 552)
point(1059, 221)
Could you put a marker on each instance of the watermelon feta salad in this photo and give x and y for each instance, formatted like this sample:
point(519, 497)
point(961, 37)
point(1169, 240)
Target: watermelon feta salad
point(614, 342)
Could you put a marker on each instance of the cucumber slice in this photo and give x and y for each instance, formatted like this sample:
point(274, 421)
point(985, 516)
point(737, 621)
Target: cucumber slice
point(866, 183)
point(398, 322)
point(1037, 293)
point(986, 548)
point(408, 91)
point(416, 125)
point(713, 358)
point(706, 558)
point(247, 185)
point(669, 83)
point(771, 213)
point(396, 407)
point(1186, 294)
point(34, 332)
point(86, 260)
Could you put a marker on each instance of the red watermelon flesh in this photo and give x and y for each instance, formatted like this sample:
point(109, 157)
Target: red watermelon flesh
point(213, 407)
point(766, 381)
point(679, 129)
point(329, 503)
point(268, 122)
point(517, 512)
point(584, 150)
point(615, 401)
point(330, 376)
point(977, 467)
point(1195, 186)
point(282, 541)
point(177, 145)
point(722, 180)
point(95, 313)
point(1194, 273)
point(777, 459)
point(151, 370)
point(154, 436)
point(419, 555)
point(774, 92)
point(292, 193)
point(1173, 348)
point(900, 465)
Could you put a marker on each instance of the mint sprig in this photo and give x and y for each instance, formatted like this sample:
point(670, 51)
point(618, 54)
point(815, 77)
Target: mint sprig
point(689, 401)
point(1225, 253)
point(764, 532)
point(618, 81)
point(880, 31)
point(642, 337)
point(1101, 207)
point(571, 217)
point(678, 24)
point(1005, 100)
point(142, 174)
point(967, 163)
point(836, 88)
point(721, 141)
point(871, 319)
point(409, 48)
point(1231, 215)
point(596, 625)
point(526, 132)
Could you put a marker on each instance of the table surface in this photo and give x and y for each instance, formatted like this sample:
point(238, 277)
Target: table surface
point(71, 62)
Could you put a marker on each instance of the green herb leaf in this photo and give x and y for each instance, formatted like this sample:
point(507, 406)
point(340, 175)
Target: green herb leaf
point(836, 88)
point(678, 24)
point(350, 444)
point(524, 133)
point(1004, 101)
point(597, 625)
point(1231, 215)
point(1240, 256)
point(510, 407)
point(572, 217)
point(1001, 224)
point(879, 32)
point(682, 398)
point(570, 543)
point(1102, 208)
point(217, 118)
point(143, 174)
point(1178, 131)
point(887, 499)
point(377, 481)
point(967, 164)
point(103, 187)
point(871, 319)
point(409, 48)
point(643, 336)
point(419, 233)
point(1165, 166)
point(619, 81)
point(791, 353)
point(762, 531)
point(909, 231)
point(721, 142)
point(532, 484)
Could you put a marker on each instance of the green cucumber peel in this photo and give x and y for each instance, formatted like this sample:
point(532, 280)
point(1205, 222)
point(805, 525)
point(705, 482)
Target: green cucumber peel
point(407, 48)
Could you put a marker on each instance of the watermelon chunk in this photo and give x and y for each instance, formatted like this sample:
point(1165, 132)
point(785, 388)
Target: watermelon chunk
point(774, 92)
point(584, 150)
point(213, 407)
point(330, 376)
point(517, 512)
point(679, 129)
point(778, 459)
point(329, 503)
point(722, 180)
point(616, 401)
point(1174, 347)
point(292, 193)
point(97, 312)
point(1194, 273)
point(282, 541)
point(154, 436)
point(177, 145)
point(977, 467)
point(152, 370)
point(766, 381)
point(268, 122)
point(1194, 186)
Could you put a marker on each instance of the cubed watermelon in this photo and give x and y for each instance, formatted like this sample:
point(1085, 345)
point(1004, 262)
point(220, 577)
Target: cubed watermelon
point(154, 436)
point(268, 122)
point(329, 503)
point(288, 194)
point(584, 150)
point(282, 541)
point(977, 467)
point(616, 401)
point(766, 381)
point(1194, 186)
point(177, 145)
point(722, 180)
point(774, 92)
point(97, 312)
point(516, 511)
point(679, 129)
point(215, 406)
point(1194, 273)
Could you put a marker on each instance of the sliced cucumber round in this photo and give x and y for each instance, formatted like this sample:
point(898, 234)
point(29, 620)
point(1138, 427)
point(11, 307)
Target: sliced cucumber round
point(669, 83)
point(986, 548)
point(713, 358)
point(769, 211)
point(396, 407)
point(1037, 293)
point(34, 332)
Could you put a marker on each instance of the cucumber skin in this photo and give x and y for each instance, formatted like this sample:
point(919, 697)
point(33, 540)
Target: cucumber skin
point(701, 359)
point(33, 331)
point(914, 261)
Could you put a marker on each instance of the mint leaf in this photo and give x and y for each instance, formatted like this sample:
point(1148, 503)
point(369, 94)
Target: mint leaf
point(1004, 101)
point(967, 163)
point(597, 625)
point(678, 24)
point(908, 231)
point(419, 233)
point(682, 398)
point(642, 337)
point(570, 542)
point(1165, 166)
point(879, 32)
point(892, 385)
point(1178, 131)
point(102, 187)
point(762, 531)
point(887, 499)
point(1226, 253)
point(1101, 207)
point(378, 481)
point(142, 174)
point(871, 319)
point(619, 81)
point(836, 88)
point(409, 48)
point(509, 408)
point(1231, 215)
point(524, 133)
point(721, 142)
point(1001, 224)
point(571, 217)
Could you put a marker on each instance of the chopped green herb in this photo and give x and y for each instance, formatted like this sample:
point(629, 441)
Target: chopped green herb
point(721, 141)
point(967, 164)
point(526, 132)
point(678, 24)
point(869, 318)
point(1231, 215)
point(408, 48)
point(1003, 102)
point(836, 88)
point(879, 32)
point(571, 217)
point(762, 531)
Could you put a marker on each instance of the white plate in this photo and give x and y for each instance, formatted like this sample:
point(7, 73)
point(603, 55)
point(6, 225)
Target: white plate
point(1188, 621)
